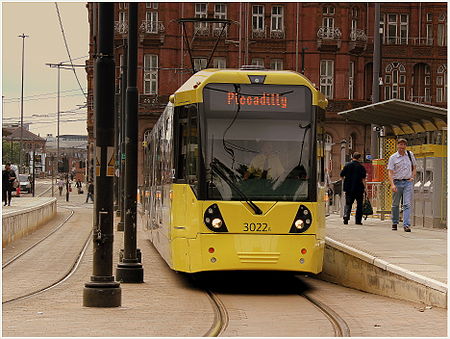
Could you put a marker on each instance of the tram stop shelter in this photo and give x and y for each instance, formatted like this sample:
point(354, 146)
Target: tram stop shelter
point(425, 128)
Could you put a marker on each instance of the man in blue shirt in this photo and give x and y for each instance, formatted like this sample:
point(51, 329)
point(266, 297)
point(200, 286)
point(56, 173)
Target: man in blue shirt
point(402, 171)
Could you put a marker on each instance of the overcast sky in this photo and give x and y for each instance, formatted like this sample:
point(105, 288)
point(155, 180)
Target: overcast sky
point(45, 44)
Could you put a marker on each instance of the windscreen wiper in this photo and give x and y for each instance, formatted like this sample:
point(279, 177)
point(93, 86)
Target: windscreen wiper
point(215, 167)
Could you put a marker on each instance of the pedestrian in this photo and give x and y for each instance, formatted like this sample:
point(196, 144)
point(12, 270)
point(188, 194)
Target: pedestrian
point(8, 178)
point(60, 186)
point(402, 171)
point(79, 186)
point(90, 192)
point(354, 175)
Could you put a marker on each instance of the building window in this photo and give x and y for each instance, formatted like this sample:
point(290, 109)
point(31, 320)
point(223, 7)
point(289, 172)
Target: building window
point(153, 5)
point(220, 63)
point(395, 77)
point(200, 63)
point(258, 62)
point(150, 74)
point(258, 18)
point(201, 11)
point(397, 29)
point(328, 10)
point(441, 84)
point(442, 30)
point(276, 22)
point(326, 77)
point(429, 17)
point(151, 22)
point(429, 34)
point(220, 12)
point(276, 64)
point(123, 5)
point(351, 76)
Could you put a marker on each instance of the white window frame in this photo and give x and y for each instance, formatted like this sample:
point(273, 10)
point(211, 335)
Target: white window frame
point(327, 77)
point(152, 22)
point(151, 65)
point(258, 18)
point(220, 63)
point(429, 34)
point(395, 87)
point(442, 31)
point(258, 62)
point(200, 63)
point(220, 12)
point(441, 84)
point(276, 19)
point(276, 64)
point(351, 79)
point(201, 11)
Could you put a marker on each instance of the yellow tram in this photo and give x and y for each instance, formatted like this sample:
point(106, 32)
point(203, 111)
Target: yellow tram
point(234, 173)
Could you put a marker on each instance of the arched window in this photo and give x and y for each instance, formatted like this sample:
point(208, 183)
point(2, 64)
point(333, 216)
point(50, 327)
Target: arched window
point(395, 81)
point(421, 89)
point(442, 30)
point(328, 21)
point(441, 84)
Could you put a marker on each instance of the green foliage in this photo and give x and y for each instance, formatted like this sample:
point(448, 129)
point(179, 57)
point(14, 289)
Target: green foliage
point(10, 152)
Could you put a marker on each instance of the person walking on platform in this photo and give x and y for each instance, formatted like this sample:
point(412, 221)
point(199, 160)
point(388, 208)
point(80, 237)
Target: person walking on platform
point(402, 171)
point(354, 175)
point(60, 186)
point(90, 192)
point(8, 178)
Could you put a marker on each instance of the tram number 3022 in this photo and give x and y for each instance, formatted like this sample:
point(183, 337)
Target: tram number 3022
point(256, 227)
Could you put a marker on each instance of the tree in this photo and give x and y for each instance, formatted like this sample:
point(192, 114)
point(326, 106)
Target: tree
point(10, 151)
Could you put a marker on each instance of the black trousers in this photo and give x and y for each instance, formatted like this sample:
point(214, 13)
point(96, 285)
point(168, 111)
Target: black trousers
point(7, 194)
point(350, 197)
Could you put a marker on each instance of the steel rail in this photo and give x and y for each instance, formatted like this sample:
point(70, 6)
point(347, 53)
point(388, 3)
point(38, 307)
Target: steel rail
point(71, 271)
point(221, 318)
point(340, 327)
point(10, 261)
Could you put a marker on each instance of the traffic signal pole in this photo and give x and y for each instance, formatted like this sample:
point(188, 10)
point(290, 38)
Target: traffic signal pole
point(103, 290)
point(130, 269)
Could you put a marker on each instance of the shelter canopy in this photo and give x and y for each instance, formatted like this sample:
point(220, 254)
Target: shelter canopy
point(404, 117)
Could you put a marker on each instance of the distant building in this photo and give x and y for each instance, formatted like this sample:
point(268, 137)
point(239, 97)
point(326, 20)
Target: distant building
point(331, 43)
point(71, 147)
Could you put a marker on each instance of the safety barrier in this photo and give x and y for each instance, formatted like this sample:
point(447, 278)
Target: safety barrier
point(18, 223)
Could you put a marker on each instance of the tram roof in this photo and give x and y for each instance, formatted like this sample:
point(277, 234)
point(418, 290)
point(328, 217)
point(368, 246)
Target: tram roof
point(405, 117)
point(191, 90)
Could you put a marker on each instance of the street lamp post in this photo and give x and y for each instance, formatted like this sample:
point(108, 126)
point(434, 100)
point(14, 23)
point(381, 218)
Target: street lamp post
point(23, 36)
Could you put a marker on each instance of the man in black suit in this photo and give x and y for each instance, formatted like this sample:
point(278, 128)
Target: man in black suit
point(8, 177)
point(354, 175)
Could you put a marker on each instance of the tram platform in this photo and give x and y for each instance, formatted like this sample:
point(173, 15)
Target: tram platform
point(373, 258)
point(24, 215)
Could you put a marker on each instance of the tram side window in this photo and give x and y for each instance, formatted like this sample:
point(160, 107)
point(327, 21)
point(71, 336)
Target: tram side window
point(187, 148)
point(158, 160)
point(192, 153)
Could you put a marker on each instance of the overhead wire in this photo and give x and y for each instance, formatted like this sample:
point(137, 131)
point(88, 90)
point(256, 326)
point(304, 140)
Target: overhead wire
point(67, 49)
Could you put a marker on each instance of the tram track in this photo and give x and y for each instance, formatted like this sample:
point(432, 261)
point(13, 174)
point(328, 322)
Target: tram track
point(340, 327)
point(43, 286)
point(221, 317)
point(244, 310)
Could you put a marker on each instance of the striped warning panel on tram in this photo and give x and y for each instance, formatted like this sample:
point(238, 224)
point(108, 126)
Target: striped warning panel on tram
point(259, 257)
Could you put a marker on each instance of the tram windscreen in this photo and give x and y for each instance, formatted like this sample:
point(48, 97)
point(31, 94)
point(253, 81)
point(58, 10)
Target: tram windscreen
point(257, 141)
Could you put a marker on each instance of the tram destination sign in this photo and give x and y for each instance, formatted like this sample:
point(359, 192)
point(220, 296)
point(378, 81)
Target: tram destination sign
point(257, 98)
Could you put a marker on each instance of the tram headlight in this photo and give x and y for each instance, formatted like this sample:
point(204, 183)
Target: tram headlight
point(213, 219)
point(302, 221)
point(217, 223)
point(299, 224)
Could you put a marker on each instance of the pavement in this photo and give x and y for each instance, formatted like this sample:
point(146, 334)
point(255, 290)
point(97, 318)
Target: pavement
point(423, 252)
point(23, 203)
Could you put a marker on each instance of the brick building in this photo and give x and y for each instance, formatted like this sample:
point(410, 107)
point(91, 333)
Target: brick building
point(331, 43)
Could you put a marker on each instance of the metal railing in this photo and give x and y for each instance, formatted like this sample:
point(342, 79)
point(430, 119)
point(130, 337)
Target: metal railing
point(329, 33)
point(152, 27)
point(358, 35)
